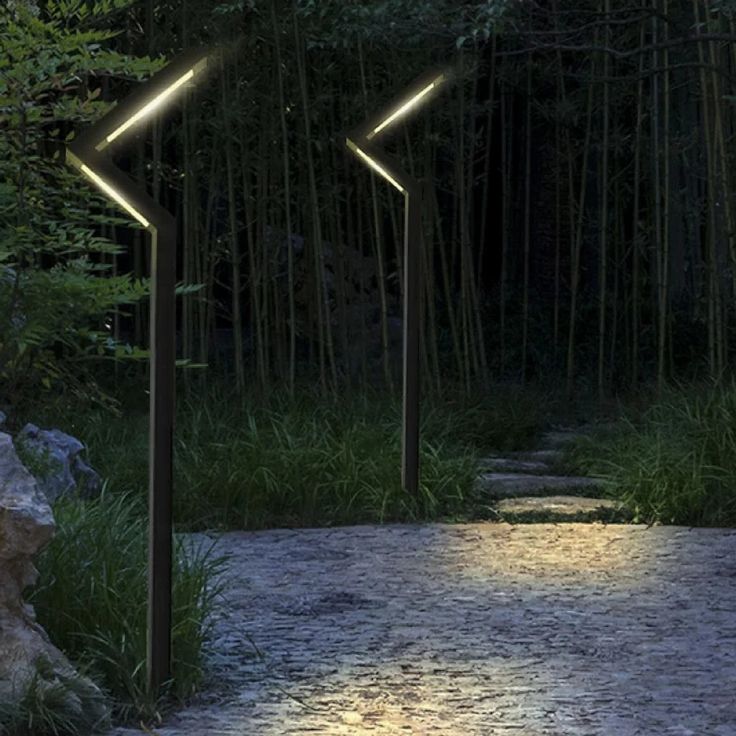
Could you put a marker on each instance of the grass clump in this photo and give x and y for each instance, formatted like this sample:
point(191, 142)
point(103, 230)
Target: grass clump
point(502, 418)
point(55, 704)
point(255, 460)
point(674, 463)
point(91, 599)
point(306, 464)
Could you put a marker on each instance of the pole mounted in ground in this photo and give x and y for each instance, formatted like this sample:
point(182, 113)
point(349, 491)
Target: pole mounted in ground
point(89, 154)
point(363, 142)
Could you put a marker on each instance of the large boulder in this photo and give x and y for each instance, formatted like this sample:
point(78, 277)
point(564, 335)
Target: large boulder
point(61, 470)
point(27, 656)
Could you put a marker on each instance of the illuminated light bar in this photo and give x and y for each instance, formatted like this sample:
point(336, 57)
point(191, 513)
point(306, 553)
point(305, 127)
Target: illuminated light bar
point(152, 105)
point(406, 106)
point(102, 184)
point(375, 166)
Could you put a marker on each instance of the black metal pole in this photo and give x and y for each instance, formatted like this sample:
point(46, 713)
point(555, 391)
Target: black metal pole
point(161, 428)
point(85, 153)
point(412, 261)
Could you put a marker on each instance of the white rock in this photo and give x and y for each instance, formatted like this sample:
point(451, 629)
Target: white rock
point(26, 525)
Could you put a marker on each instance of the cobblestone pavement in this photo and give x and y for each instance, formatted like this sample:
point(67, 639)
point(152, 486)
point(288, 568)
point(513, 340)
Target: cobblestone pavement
point(487, 628)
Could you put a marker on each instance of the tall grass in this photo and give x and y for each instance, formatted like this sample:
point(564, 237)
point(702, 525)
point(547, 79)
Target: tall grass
point(255, 461)
point(91, 600)
point(675, 462)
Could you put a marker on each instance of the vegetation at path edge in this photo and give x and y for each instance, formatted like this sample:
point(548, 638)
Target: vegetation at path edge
point(674, 462)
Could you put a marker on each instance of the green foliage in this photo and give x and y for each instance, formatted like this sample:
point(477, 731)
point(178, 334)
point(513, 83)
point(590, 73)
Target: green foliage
point(676, 462)
point(91, 599)
point(262, 460)
point(726, 7)
point(404, 23)
point(502, 418)
point(54, 705)
point(55, 289)
point(39, 462)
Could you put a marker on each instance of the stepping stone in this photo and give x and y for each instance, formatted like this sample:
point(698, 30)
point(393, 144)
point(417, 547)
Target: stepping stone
point(514, 485)
point(513, 465)
point(541, 456)
point(561, 509)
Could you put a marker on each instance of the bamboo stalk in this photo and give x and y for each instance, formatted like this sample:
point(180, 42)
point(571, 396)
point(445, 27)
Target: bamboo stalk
point(527, 220)
point(378, 248)
point(635, 229)
point(205, 273)
point(234, 245)
point(461, 215)
point(603, 233)
point(713, 290)
point(487, 161)
point(506, 158)
point(665, 268)
point(721, 161)
point(577, 244)
point(428, 267)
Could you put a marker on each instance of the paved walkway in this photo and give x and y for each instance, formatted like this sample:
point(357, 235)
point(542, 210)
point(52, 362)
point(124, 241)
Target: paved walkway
point(458, 630)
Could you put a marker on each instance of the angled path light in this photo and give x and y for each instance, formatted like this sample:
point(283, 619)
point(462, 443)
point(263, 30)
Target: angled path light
point(363, 141)
point(88, 154)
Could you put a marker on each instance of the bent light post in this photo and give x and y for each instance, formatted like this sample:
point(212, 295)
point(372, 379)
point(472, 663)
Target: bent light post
point(88, 154)
point(363, 142)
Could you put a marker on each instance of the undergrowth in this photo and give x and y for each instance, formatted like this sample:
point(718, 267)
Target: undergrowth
point(260, 460)
point(54, 704)
point(91, 600)
point(674, 462)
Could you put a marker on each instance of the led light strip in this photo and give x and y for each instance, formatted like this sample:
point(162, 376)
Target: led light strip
point(102, 184)
point(406, 106)
point(375, 166)
point(155, 102)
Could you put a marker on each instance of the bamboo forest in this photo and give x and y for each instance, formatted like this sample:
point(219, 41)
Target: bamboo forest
point(341, 341)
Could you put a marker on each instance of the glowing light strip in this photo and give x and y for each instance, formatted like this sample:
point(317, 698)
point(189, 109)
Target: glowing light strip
point(375, 166)
point(102, 184)
point(155, 102)
point(406, 106)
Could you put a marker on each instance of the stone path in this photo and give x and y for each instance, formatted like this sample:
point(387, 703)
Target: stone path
point(525, 487)
point(483, 629)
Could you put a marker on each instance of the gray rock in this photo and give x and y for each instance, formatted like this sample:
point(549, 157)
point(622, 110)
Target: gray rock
point(514, 485)
point(63, 470)
point(26, 526)
point(560, 508)
point(3, 418)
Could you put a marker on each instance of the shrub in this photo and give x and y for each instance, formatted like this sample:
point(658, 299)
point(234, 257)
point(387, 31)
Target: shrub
point(55, 289)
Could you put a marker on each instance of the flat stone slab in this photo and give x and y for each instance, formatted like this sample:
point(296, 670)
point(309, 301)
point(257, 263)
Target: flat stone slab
point(514, 465)
point(515, 485)
point(542, 456)
point(482, 629)
point(561, 508)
